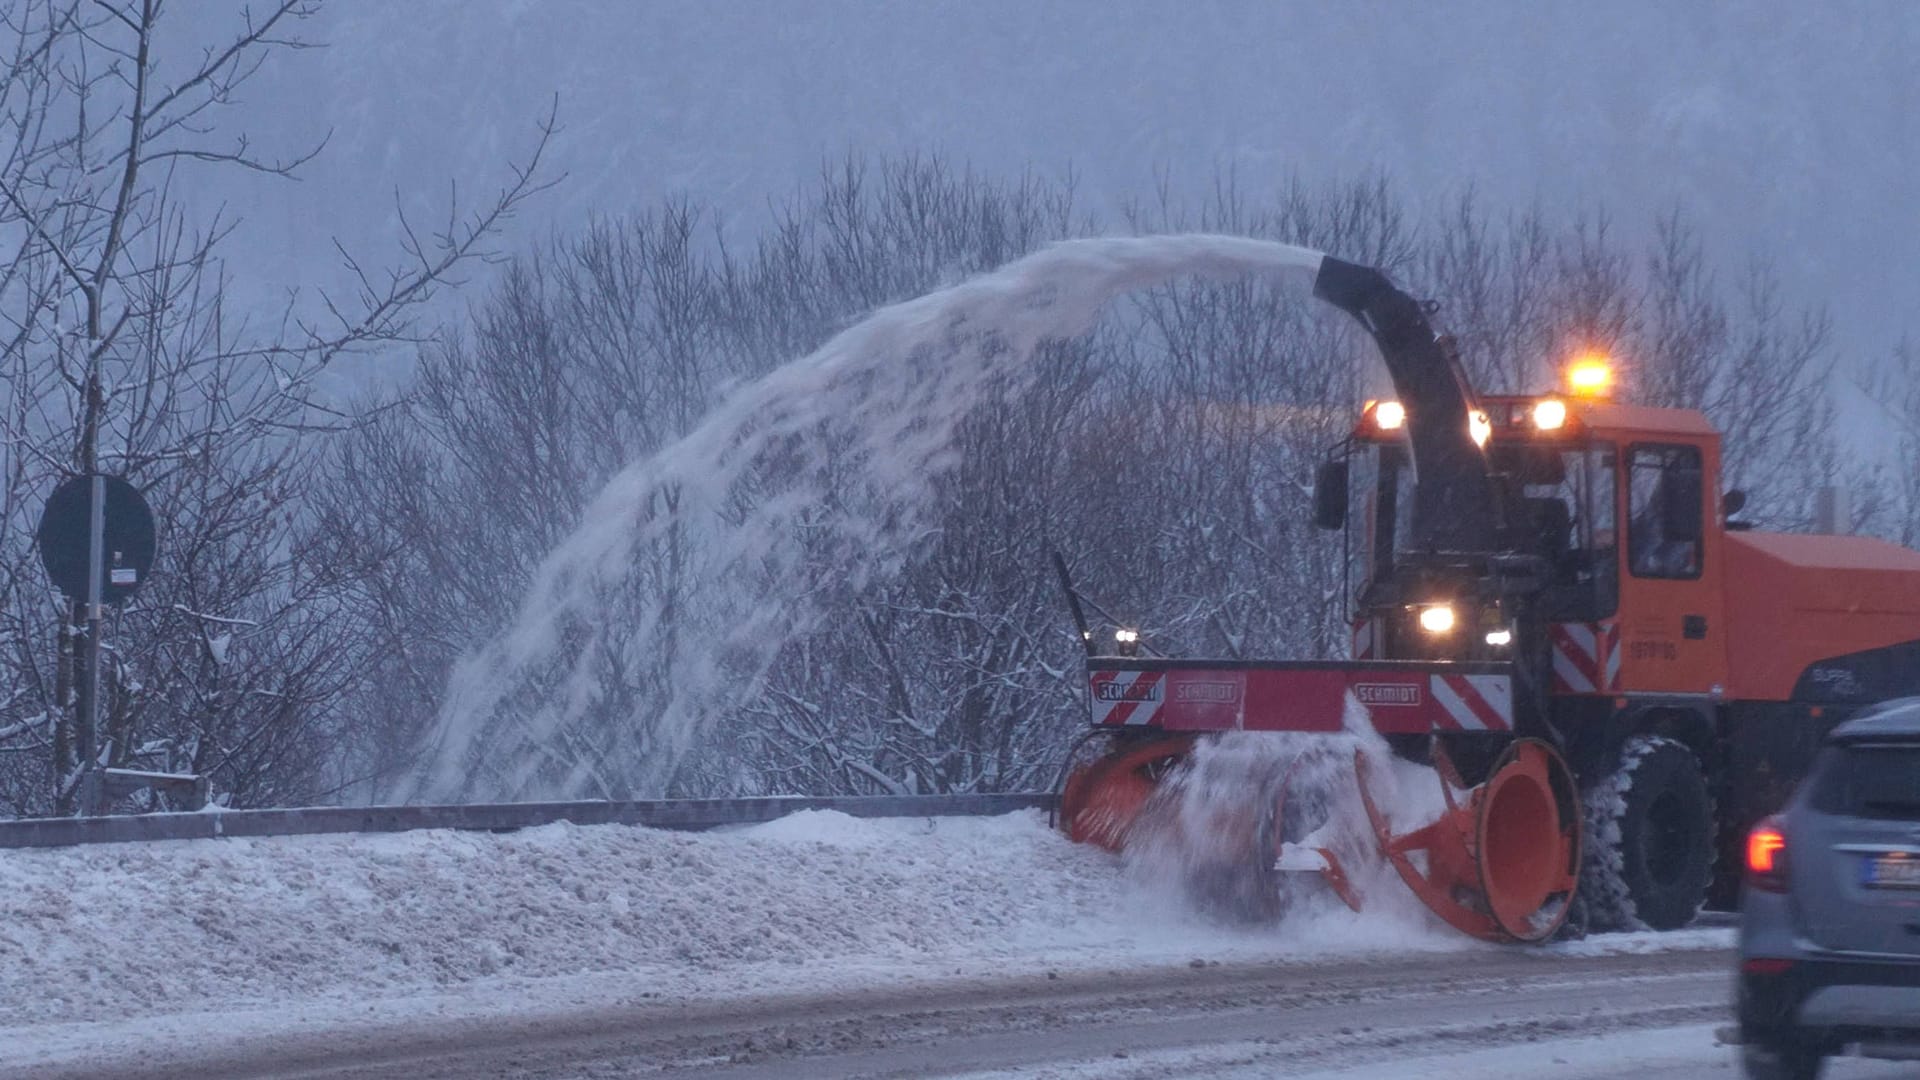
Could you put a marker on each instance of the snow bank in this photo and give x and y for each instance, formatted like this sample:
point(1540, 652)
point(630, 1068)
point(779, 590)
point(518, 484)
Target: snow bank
point(812, 902)
point(814, 899)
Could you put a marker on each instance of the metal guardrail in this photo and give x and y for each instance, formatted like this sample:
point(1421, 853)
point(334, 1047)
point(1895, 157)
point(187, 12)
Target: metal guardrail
point(682, 814)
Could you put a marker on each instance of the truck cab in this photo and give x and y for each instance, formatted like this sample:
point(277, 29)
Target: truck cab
point(1620, 504)
point(1658, 622)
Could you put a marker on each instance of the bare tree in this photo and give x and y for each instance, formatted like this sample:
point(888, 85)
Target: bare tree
point(585, 355)
point(1495, 287)
point(121, 354)
point(1522, 299)
point(1893, 488)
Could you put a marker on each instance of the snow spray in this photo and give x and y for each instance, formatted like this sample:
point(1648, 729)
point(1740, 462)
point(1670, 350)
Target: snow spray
point(1203, 845)
point(693, 567)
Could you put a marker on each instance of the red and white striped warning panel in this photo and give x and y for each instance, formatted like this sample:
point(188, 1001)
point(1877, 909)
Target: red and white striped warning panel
point(1364, 636)
point(1586, 657)
point(1127, 697)
point(1401, 698)
point(1474, 702)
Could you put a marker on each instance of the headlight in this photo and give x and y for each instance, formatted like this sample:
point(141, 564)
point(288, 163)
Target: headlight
point(1501, 637)
point(1479, 427)
point(1390, 415)
point(1550, 414)
point(1437, 619)
point(1126, 637)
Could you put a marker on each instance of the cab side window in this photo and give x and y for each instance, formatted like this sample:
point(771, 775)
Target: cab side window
point(1664, 511)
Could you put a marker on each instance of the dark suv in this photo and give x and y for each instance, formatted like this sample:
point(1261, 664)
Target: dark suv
point(1830, 917)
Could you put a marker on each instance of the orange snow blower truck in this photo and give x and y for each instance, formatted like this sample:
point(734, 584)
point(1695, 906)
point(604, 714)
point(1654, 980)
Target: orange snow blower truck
point(1612, 677)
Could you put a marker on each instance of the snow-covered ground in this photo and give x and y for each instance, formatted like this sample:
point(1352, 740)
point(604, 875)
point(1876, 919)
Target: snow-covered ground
point(813, 899)
point(1684, 1052)
point(134, 941)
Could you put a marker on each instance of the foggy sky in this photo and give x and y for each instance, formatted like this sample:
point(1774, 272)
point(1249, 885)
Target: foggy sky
point(1791, 129)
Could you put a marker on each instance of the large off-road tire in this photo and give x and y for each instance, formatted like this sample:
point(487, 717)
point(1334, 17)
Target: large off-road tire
point(1649, 850)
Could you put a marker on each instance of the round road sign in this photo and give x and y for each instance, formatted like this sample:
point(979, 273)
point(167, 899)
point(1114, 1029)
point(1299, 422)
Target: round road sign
point(129, 539)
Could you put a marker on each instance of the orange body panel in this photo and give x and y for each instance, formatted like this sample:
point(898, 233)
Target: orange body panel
point(1656, 654)
point(1795, 600)
point(1610, 420)
point(1765, 606)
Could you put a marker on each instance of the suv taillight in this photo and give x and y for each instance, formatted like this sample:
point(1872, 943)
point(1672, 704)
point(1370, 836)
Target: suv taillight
point(1767, 857)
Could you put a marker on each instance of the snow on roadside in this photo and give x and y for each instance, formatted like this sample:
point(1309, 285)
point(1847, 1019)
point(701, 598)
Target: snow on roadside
point(1686, 1051)
point(104, 930)
point(1641, 942)
point(812, 902)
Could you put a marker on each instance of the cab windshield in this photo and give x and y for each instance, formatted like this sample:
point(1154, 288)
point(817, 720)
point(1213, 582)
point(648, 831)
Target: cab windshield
point(1569, 496)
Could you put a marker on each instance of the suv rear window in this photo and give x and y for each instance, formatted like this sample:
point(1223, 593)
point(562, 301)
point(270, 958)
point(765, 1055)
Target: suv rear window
point(1870, 781)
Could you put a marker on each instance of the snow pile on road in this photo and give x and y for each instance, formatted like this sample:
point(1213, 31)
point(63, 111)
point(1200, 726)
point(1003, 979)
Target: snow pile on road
point(813, 901)
point(309, 930)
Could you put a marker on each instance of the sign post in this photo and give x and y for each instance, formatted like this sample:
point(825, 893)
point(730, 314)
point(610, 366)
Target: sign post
point(90, 689)
point(97, 542)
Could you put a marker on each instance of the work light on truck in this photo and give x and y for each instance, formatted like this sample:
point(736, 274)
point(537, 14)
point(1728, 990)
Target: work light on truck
point(1480, 426)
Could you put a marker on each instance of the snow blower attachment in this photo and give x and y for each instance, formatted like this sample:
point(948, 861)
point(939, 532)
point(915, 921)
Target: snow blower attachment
point(1457, 599)
point(1501, 863)
point(1505, 865)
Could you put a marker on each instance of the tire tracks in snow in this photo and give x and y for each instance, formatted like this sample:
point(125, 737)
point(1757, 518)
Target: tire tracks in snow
point(1117, 1024)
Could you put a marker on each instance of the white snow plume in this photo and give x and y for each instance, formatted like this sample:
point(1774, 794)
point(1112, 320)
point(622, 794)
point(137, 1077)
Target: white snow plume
point(692, 567)
point(1206, 840)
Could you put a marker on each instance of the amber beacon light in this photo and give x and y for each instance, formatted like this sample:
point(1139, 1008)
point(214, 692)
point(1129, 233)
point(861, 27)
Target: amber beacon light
point(1590, 375)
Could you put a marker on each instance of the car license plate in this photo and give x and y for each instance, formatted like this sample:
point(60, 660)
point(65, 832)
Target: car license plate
point(1893, 871)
